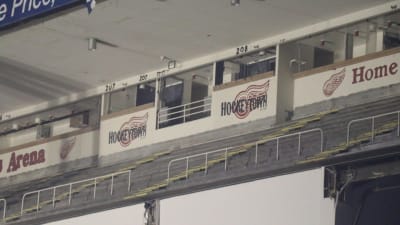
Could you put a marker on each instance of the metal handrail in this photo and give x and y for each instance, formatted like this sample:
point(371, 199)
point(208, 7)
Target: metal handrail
point(290, 135)
point(197, 155)
point(163, 113)
point(94, 180)
point(373, 124)
point(191, 108)
point(4, 209)
point(183, 116)
point(184, 105)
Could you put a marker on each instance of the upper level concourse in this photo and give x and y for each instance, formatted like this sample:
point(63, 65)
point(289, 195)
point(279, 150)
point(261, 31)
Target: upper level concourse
point(255, 88)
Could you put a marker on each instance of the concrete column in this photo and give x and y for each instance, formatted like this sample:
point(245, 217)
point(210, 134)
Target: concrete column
point(230, 69)
point(132, 92)
point(374, 39)
point(349, 43)
point(187, 89)
point(157, 101)
point(379, 40)
point(211, 81)
point(286, 53)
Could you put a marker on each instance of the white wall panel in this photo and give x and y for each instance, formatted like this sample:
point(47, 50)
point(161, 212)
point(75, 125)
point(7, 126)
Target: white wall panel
point(295, 199)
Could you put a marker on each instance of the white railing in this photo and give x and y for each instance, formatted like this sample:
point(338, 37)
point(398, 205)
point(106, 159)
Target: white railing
point(225, 150)
point(291, 135)
point(70, 186)
point(184, 112)
point(372, 118)
point(4, 209)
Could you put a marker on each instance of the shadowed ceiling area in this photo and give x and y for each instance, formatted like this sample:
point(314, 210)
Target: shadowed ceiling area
point(26, 84)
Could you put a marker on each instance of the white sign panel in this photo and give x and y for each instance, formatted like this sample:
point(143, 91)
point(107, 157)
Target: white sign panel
point(246, 102)
point(347, 80)
point(295, 199)
point(127, 131)
point(48, 154)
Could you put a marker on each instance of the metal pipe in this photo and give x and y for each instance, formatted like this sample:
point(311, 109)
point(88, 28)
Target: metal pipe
point(348, 132)
point(206, 165)
point(129, 181)
point(398, 123)
point(184, 114)
point(373, 129)
point(322, 139)
point(37, 202)
point(4, 209)
point(256, 160)
point(70, 194)
point(94, 188)
point(341, 190)
point(22, 204)
point(299, 145)
point(112, 185)
point(277, 149)
point(168, 172)
point(54, 197)
point(226, 159)
point(187, 167)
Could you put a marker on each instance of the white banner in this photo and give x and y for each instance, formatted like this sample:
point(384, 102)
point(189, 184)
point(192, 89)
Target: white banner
point(49, 154)
point(245, 102)
point(127, 131)
point(347, 80)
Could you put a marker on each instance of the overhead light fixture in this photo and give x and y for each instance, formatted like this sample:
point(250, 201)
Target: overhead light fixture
point(171, 63)
point(164, 58)
point(92, 44)
point(324, 42)
point(15, 126)
point(235, 2)
point(37, 120)
point(142, 86)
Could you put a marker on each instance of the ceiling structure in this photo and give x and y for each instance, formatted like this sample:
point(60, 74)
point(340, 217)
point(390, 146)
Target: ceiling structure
point(50, 58)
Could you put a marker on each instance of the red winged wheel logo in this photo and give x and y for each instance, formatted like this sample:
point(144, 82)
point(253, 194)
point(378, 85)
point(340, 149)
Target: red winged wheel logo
point(135, 124)
point(251, 92)
point(333, 82)
point(66, 146)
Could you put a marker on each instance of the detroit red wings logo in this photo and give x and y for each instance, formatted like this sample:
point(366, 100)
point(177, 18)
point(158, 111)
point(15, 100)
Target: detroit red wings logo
point(252, 98)
point(132, 129)
point(333, 82)
point(66, 147)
